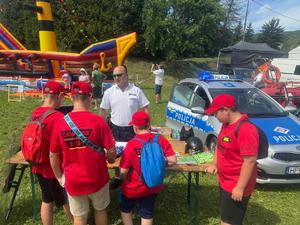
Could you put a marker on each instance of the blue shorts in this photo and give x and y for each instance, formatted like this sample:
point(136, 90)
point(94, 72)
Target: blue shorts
point(158, 89)
point(146, 205)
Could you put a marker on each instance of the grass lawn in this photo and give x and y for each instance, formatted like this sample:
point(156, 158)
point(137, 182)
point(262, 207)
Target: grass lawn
point(268, 205)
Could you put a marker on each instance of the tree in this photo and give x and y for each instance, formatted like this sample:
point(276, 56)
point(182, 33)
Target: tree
point(249, 36)
point(232, 9)
point(21, 23)
point(238, 33)
point(176, 28)
point(272, 33)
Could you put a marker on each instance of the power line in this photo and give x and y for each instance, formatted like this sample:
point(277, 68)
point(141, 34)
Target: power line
point(269, 8)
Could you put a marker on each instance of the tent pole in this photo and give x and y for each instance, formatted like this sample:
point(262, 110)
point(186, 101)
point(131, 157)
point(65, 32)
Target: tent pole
point(218, 61)
point(245, 23)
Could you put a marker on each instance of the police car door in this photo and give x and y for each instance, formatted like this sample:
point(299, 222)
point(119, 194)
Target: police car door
point(178, 109)
point(204, 124)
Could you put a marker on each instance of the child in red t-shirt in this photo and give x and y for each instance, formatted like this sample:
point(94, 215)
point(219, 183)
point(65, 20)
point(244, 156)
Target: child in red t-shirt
point(134, 190)
point(235, 159)
point(80, 168)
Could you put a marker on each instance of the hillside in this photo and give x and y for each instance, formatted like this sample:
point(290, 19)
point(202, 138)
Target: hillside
point(291, 40)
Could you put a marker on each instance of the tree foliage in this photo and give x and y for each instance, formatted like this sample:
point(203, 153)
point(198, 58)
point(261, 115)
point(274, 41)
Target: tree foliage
point(232, 9)
point(272, 33)
point(177, 28)
point(238, 33)
point(249, 36)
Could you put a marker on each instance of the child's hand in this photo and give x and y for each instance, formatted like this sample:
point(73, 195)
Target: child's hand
point(212, 169)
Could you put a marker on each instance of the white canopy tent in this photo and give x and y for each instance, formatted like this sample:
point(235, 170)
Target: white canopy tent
point(295, 53)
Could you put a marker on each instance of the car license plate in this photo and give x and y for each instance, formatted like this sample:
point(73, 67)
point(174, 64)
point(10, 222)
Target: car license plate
point(293, 170)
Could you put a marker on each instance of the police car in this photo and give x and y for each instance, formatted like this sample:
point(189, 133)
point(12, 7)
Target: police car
point(191, 96)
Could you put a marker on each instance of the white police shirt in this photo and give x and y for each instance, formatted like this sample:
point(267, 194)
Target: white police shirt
point(123, 104)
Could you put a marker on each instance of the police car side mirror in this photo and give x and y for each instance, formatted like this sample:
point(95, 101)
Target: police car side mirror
point(198, 110)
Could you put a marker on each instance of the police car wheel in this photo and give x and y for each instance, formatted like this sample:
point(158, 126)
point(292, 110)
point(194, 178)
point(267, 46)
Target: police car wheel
point(212, 143)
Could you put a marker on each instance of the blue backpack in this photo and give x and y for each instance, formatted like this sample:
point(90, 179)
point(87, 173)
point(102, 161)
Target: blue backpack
point(152, 163)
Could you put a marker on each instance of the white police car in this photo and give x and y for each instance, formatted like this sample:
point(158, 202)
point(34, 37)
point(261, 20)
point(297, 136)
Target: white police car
point(191, 96)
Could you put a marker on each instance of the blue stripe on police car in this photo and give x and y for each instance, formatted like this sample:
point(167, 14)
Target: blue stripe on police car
point(279, 130)
point(196, 122)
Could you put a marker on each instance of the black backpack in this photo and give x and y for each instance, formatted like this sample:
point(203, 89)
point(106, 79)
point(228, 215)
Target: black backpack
point(263, 144)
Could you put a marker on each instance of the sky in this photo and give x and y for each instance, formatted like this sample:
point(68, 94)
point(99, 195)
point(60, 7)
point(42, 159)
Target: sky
point(261, 11)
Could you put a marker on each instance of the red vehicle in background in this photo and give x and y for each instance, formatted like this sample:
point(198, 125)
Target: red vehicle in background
point(267, 78)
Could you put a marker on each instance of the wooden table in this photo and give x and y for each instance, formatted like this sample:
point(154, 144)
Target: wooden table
point(20, 164)
point(178, 147)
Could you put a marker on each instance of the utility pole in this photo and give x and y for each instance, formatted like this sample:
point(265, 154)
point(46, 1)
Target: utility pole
point(245, 23)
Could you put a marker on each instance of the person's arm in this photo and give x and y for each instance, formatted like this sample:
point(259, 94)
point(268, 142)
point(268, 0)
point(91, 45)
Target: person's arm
point(245, 175)
point(123, 173)
point(111, 155)
point(152, 68)
point(103, 112)
point(171, 160)
point(55, 162)
point(146, 109)
point(212, 168)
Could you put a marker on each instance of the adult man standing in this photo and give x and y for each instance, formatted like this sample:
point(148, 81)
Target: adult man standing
point(159, 73)
point(123, 99)
point(83, 167)
point(235, 158)
point(51, 190)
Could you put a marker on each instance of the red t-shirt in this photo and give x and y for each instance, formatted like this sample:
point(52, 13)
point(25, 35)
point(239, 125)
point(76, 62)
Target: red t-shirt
point(230, 152)
point(133, 186)
point(47, 124)
point(85, 169)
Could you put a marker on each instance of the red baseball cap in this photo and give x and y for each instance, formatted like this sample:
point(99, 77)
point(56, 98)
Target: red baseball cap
point(81, 88)
point(219, 102)
point(53, 87)
point(140, 118)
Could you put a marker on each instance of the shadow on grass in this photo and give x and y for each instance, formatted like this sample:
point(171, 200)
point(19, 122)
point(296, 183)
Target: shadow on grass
point(171, 207)
point(257, 214)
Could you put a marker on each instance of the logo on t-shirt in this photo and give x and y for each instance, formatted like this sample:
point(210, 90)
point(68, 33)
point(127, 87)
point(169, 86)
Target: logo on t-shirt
point(72, 140)
point(226, 139)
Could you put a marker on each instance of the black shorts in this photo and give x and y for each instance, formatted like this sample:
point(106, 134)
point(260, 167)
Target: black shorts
point(145, 204)
point(52, 191)
point(232, 212)
point(158, 89)
point(123, 134)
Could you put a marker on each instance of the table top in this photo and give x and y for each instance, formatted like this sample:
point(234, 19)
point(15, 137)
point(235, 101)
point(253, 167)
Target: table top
point(177, 145)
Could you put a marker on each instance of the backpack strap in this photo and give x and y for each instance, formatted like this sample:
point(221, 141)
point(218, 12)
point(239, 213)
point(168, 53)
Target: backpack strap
point(44, 115)
point(236, 129)
point(81, 136)
point(155, 139)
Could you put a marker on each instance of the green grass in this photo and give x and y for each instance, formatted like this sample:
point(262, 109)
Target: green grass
point(268, 204)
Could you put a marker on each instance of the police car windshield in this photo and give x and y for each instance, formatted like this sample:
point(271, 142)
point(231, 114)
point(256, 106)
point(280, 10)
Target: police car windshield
point(253, 102)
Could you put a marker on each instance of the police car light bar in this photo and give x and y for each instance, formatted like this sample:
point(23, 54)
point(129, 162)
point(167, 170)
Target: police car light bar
point(207, 76)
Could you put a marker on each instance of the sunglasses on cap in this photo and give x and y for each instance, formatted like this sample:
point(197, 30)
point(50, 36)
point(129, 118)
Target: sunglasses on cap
point(117, 75)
